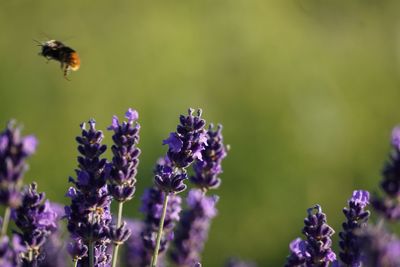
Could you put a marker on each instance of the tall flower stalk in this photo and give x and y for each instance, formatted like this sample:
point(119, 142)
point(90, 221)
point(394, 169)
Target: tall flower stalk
point(192, 230)
point(185, 146)
point(89, 214)
point(123, 170)
point(153, 201)
point(14, 150)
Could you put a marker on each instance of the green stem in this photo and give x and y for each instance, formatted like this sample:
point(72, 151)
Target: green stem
point(6, 220)
point(119, 222)
point(75, 263)
point(91, 253)
point(160, 231)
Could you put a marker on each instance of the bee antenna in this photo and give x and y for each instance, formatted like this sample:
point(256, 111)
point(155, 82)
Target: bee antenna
point(39, 43)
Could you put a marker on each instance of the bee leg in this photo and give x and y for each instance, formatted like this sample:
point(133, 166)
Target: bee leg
point(66, 72)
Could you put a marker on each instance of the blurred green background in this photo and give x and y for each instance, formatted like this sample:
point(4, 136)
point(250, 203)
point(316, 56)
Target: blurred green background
point(307, 91)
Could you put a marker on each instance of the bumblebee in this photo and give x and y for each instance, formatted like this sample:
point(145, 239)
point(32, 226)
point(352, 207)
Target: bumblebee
point(56, 50)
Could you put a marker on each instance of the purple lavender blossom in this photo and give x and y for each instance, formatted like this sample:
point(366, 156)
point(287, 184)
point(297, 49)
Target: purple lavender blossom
point(125, 160)
point(152, 203)
point(379, 247)
point(192, 231)
point(316, 249)
point(389, 205)
point(167, 178)
point(207, 170)
point(14, 150)
point(36, 221)
point(357, 218)
point(298, 253)
point(189, 140)
point(89, 214)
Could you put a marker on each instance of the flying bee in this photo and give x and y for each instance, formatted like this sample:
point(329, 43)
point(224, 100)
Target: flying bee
point(56, 50)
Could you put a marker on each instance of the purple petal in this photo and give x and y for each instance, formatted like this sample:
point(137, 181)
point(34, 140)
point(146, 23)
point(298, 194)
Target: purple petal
point(131, 115)
point(29, 144)
point(175, 144)
point(114, 124)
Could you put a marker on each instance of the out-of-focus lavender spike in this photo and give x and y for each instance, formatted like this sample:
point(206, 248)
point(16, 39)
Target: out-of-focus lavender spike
point(192, 230)
point(209, 168)
point(357, 218)
point(136, 254)
point(14, 150)
point(36, 221)
point(379, 247)
point(389, 205)
point(89, 214)
point(55, 250)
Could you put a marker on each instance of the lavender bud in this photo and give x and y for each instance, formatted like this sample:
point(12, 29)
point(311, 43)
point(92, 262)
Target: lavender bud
point(77, 250)
point(168, 179)
point(119, 235)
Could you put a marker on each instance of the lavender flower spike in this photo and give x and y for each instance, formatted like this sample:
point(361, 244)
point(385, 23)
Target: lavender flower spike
point(36, 221)
point(379, 247)
point(185, 145)
point(14, 150)
point(123, 171)
point(192, 231)
point(89, 214)
point(125, 157)
point(207, 170)
point(357, 218)
point(389, 205)
point(316, 249)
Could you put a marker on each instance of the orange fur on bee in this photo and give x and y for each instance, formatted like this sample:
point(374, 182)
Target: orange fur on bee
point(74, 61)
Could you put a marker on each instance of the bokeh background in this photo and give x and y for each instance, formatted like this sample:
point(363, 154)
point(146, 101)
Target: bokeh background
point(307, 91)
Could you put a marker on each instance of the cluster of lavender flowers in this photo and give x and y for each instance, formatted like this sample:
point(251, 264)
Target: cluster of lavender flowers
point(361, 243)
point(95, 235)
point(173, 231)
